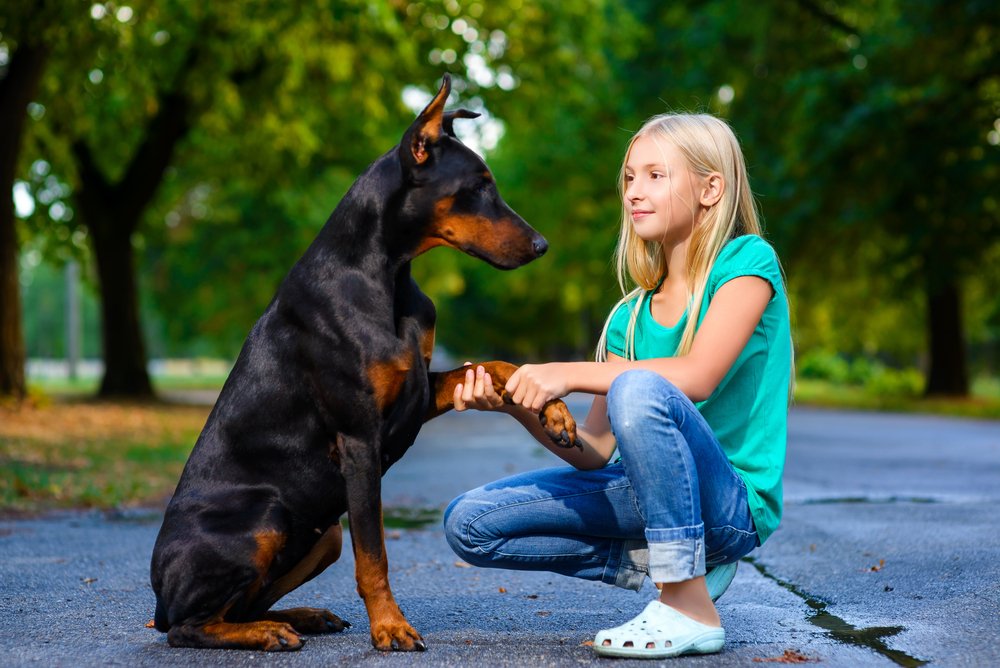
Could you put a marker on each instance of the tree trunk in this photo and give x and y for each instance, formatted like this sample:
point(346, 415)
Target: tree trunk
point(948, 373)
point(125, 372)
point(17, 89)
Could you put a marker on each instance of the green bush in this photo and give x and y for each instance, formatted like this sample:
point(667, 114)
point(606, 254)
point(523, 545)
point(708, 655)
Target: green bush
point(823, 365)
point(884, 381)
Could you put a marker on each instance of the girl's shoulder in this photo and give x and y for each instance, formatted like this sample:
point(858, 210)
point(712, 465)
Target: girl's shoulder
point(747, 255)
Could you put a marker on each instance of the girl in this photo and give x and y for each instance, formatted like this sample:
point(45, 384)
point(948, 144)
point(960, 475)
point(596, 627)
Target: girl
point(691, 385)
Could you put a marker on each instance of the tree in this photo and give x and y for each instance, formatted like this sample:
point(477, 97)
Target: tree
point(18, 86)
point(125, 106)
point(889, 139)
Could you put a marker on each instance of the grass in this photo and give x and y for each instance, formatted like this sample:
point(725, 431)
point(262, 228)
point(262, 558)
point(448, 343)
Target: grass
point(82, 454)
point(984, 401)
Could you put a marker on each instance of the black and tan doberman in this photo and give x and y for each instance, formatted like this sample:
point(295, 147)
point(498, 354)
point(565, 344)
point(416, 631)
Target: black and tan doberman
point(329, 390)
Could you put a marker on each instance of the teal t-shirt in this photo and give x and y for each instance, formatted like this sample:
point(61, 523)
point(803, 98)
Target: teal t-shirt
point(748, 411)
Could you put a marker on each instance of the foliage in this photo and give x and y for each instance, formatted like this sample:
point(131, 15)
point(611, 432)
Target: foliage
point(869, 128)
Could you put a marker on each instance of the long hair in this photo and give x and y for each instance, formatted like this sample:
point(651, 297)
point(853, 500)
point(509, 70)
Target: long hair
point(709, 145)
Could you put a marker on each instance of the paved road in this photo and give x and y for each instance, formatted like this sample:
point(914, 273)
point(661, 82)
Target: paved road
point(887, 556)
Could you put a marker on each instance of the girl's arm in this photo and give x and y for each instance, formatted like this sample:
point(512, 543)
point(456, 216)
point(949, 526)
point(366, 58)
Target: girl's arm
point(594, 435)
point(729, 322)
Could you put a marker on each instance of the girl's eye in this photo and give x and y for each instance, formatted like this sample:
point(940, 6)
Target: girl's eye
point(656, 175)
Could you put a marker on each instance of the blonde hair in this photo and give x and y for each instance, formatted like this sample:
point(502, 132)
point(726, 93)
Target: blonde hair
point(708, 145)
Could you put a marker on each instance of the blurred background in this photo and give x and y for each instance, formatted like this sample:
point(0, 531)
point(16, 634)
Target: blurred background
point(169, 161)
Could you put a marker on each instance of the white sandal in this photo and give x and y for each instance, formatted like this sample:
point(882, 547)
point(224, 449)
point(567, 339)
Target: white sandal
point(670, 632)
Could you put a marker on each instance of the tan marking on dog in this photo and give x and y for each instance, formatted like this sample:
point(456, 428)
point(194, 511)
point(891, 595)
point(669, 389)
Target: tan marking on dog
point(499, 238)
point(326, 551)
point(386, 621)
point(269, 543)
point(427, 345)
point(386, 378)
point(265, 635)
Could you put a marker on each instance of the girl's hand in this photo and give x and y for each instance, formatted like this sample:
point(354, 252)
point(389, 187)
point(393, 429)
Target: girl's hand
point(477, 391)
point(534, 385)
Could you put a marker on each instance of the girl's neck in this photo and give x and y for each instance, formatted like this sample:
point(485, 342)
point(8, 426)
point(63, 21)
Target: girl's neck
point(676, 257)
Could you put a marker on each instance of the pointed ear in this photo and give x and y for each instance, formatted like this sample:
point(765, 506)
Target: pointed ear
point(415, 147)
point(450, 116)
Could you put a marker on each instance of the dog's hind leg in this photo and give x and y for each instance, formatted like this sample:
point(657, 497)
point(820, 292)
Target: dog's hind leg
point(266, 635)
point(305, 620)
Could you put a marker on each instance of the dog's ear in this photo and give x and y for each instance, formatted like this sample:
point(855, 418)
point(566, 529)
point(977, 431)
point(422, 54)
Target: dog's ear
point(415, 147)
point(450, 116)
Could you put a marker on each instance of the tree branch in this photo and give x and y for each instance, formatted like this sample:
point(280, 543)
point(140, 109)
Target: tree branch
point(826, 17)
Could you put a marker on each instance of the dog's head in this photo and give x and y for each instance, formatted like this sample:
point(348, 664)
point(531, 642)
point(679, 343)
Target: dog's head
point(450, 197)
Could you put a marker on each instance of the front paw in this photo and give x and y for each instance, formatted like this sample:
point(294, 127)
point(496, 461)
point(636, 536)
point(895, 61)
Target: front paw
point(559, 424)
point(399, 636)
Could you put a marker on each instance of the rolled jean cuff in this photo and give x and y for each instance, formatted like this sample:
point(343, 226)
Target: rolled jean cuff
point(628, 564)
point(676, 560)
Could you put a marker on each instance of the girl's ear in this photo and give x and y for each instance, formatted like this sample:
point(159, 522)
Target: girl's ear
point(713, 189)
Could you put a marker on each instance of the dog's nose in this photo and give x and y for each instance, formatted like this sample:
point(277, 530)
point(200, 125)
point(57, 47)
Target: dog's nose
point(540, 245)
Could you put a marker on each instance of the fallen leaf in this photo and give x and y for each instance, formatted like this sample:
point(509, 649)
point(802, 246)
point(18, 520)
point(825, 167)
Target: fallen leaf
point(87, 581)
point(587, 643)
point(876, 568)
point(532, 596)
point(789, 656)
point(543, 613)
point(502, 590)
point(150, 624)
point(462, 564)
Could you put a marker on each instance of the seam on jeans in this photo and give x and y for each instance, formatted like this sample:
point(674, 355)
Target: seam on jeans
point(687, 473)
point(467, 528)
point(691, 526)
point(549, 498)
point(730, 527)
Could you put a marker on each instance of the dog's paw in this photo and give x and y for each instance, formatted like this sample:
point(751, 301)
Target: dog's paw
point(398, 637)
point(282, 639)
point(559, 424)
point(310, 620)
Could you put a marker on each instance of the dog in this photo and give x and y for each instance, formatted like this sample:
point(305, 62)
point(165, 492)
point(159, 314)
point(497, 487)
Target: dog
point(329, 390)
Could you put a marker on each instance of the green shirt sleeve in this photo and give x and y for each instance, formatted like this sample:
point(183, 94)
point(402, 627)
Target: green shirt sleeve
point(748, 255)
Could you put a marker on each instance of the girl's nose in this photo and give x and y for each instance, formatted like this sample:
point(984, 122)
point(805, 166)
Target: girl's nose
point(631, 192)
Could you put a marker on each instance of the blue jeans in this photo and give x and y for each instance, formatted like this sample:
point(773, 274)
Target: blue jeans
point(671, 506)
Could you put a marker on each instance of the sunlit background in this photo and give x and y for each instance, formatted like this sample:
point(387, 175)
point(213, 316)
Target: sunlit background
point(171, 160)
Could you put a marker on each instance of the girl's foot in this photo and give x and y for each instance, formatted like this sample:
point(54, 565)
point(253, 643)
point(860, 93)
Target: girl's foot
point(659, 632)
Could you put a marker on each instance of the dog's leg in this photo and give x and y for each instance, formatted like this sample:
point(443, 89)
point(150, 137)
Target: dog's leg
point(266, 635)
point(308, 620)
point(361, 467)
point(555, 416)
point(305, 620)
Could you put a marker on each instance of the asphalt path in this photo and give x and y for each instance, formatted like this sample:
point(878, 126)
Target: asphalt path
point(887, 555)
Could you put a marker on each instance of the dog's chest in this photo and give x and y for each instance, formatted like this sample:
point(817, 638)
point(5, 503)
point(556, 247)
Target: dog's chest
point(404, 413)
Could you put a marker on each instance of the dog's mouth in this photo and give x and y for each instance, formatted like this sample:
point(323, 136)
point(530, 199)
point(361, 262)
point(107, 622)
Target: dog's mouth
point(507, 256)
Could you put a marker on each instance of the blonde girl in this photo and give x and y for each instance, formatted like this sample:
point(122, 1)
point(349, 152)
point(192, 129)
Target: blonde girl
point(690, 387)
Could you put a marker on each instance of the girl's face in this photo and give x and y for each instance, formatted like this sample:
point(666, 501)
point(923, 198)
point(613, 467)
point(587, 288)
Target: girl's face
point(661, 192)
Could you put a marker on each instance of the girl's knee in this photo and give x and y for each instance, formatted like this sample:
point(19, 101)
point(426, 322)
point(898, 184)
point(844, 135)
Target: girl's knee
point(454, 523)
point(637, 396)
point(459, 527)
